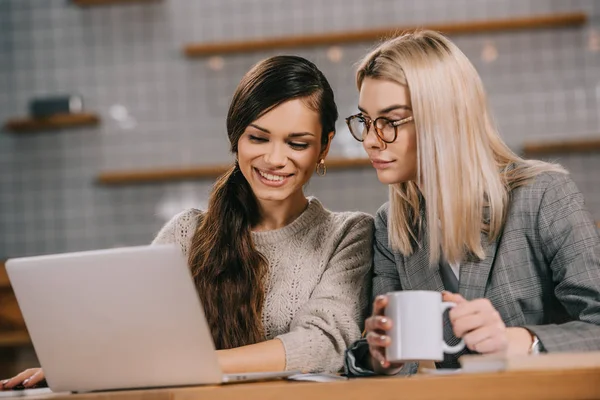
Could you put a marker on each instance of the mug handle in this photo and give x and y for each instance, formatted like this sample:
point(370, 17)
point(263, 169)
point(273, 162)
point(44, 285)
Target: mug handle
point(458, 347)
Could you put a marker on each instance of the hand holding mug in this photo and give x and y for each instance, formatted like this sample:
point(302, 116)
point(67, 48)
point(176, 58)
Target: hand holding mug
point(377, 327)
point(407, 326)
point(480, 325)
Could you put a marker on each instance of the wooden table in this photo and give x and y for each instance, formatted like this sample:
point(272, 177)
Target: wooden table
point(531, 385)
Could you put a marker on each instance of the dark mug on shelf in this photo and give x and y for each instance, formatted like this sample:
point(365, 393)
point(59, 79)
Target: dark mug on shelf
point(61, 104)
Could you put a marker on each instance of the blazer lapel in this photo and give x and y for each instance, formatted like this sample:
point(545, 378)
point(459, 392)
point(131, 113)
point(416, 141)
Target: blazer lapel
point(474, 273)
point(420, 274)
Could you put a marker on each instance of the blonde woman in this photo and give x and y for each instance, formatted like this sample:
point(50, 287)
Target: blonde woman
point(508, 239)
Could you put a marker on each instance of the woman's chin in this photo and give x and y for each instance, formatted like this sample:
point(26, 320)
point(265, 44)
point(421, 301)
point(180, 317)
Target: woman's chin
point(272, 194)
point(389, 177)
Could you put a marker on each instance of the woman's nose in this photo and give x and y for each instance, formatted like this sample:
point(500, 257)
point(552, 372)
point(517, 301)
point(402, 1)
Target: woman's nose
point(371, 139)
point(276, 156)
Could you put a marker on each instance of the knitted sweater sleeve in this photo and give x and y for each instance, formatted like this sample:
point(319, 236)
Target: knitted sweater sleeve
point(332, 318)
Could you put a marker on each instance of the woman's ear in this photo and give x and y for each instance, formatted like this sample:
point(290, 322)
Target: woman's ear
point(325, 150)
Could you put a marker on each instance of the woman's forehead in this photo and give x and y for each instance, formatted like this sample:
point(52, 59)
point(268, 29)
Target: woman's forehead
point(378, 95)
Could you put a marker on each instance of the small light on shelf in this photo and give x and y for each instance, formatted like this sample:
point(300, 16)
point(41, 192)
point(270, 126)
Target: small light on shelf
point(335, 54)
point(216, 63)
point(489, 53)
point(593, 41)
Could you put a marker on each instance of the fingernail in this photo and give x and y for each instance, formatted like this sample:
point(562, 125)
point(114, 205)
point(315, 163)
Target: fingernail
point(25, 382)
point(382, 363)
point(4, 382)
point(384, 320)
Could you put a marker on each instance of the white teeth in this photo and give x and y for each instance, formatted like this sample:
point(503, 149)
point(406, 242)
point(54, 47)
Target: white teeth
point(274, 178)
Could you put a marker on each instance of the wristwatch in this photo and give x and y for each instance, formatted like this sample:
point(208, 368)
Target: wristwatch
point(536, 346)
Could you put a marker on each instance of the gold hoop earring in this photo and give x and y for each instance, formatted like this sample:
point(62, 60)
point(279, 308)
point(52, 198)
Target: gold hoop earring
point(321, 168)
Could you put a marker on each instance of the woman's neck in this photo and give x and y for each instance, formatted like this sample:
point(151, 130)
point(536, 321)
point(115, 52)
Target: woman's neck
point(277, 214)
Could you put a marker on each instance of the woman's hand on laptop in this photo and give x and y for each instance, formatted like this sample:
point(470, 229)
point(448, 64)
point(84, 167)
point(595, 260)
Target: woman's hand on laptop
point(28, 379)
point(377, 327)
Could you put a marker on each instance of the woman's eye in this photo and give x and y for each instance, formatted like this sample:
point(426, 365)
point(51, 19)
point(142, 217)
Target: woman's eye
point(395, 121)
point(257, 139)
point(298, 145)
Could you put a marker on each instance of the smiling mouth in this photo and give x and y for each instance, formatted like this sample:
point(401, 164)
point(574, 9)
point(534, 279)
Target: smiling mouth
point(272, 179)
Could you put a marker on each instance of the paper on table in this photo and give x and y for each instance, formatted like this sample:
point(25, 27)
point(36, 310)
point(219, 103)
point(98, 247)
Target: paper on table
point(317, 377)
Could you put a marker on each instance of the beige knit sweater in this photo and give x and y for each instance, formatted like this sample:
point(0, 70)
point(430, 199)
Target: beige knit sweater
point(318, 282)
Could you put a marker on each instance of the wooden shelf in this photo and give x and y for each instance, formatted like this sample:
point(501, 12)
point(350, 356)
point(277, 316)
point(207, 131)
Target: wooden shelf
point(14, 339)
point(471, 27)
point(583, 145)
point(88, 3)
point(59, 121)
point(201, 172)
point(4, 281)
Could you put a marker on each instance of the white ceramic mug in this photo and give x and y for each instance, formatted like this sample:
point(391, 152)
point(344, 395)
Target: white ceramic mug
point(417, 332)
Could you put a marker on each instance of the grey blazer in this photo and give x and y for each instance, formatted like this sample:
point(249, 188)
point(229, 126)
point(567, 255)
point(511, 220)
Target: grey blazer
point(543, 273)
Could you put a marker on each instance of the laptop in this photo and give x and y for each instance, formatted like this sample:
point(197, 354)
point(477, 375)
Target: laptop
point(118, 319)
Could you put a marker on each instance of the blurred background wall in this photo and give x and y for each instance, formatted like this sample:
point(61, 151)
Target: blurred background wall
point(161, 109)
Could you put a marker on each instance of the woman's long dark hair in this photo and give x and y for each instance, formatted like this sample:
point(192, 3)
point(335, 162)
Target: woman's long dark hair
point(228, 270)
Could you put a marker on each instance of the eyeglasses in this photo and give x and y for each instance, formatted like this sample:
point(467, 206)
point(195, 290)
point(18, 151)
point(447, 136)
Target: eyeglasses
point(385, 129)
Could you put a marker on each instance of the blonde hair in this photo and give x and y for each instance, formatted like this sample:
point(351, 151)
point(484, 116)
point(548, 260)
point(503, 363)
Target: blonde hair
point(465, 171)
